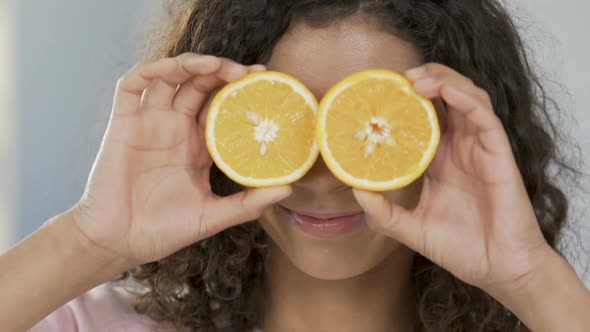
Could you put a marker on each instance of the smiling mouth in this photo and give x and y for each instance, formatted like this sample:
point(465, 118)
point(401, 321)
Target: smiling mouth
point(325, 224)
point(328, 216)
point(324, 215)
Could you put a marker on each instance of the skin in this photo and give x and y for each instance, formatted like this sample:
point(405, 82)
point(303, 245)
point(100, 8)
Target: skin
point(307, 275)
point(148, 196)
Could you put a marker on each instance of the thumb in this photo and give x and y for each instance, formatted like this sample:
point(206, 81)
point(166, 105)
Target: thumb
point(391, 219)
point(239, 208)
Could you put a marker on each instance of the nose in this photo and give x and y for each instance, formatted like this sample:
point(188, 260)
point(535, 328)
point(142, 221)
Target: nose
point(320, 180)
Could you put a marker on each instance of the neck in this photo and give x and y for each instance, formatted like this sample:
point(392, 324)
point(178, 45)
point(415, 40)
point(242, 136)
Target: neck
point(379, 300)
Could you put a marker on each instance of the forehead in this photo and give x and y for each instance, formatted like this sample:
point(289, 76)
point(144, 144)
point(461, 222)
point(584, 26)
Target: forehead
point(320, 57)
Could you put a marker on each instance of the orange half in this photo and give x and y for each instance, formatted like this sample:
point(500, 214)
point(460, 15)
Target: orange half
point(260, 130)
point(375, 133)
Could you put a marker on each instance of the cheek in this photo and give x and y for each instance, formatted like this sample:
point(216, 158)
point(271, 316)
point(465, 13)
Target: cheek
point(407, 197)
point(272, 225)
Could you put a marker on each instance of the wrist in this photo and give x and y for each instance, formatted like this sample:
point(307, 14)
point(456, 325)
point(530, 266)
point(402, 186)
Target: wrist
point(48, 269)
point(79, 247)
point(551, 298)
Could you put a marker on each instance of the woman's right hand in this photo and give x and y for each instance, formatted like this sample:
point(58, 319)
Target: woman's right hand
point(149, 194)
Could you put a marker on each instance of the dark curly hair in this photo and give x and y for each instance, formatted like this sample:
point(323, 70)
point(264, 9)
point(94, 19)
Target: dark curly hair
point(221, 278)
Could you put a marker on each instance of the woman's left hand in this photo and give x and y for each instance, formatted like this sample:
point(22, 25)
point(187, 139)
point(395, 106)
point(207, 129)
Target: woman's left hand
point(474, 217)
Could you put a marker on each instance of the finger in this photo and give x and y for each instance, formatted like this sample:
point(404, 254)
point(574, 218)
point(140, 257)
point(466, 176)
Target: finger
point(192, 95)
point(464, 101)
point(391, 219)
point(241, 207)
point(425, 79)
point(231, 71)
point(155, 96)
point(160, 95)
point(430, 87)
point(479, 117)
point(256, 68)
point(433, 70)
point(428, 69)
point(445, 73)
point(130, 87)
point(441, 114)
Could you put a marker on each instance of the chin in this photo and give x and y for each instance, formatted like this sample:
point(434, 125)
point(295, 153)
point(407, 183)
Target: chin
point(338, 257)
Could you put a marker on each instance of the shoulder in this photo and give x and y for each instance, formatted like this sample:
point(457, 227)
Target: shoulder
point(107, 307)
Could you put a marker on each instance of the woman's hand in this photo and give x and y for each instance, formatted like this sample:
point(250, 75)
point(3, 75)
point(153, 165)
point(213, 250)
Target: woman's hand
point(149, 193)
point(474, 217)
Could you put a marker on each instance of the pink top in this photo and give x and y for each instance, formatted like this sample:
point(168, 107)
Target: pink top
point(107, 308)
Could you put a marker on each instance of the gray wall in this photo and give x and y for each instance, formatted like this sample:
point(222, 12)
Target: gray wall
point(557, 34)
point(7, 129)
point(69, 54)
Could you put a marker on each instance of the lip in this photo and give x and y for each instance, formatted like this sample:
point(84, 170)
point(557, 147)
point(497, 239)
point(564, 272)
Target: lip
point(326, 216)
point(325, 224)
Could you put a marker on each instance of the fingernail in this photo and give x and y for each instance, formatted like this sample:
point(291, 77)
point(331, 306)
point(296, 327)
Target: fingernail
point(416, 73)
point(282, 192)
point(257, 68)
point(199, 60)
point(209, 57)
point(424, 83)
point(361, 197)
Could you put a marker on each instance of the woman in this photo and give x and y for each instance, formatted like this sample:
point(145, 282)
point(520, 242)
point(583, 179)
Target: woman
point(468, 247)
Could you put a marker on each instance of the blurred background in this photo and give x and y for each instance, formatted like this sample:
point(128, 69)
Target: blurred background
point(60, 59)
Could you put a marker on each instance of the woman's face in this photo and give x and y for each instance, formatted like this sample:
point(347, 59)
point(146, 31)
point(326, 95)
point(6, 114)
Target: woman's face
point(320, 57)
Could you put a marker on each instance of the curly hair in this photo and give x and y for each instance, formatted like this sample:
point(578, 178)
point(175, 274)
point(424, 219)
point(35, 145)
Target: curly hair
point(223, 276)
